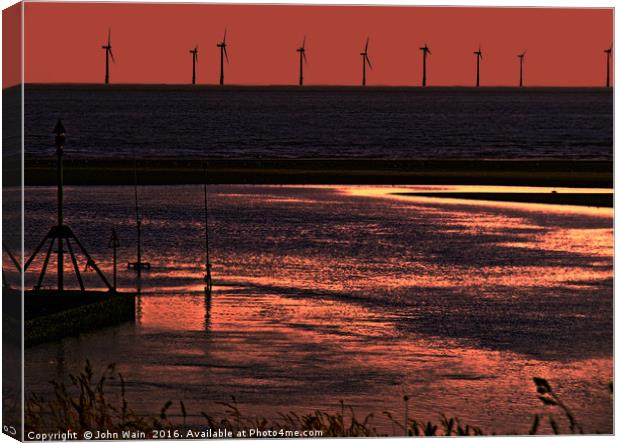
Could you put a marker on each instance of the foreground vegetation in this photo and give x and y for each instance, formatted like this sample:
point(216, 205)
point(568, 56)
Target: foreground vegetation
point(86, 404)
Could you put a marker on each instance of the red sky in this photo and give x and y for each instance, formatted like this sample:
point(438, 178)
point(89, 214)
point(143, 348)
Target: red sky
point(151, 43)
point(11, 45)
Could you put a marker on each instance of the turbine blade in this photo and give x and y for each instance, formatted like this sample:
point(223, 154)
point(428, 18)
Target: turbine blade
point(112, 55)
point(366, 47)
point(224, 40)
point(304, 55)
point(303, 44)
point(226, 54)
point(368, 61)
point(429, 51)
point(109, 37)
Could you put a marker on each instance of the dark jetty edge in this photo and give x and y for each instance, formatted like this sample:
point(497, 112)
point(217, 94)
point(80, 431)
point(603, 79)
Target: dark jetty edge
point(50, 315)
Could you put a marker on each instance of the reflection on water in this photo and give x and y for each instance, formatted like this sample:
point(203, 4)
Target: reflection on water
point(329, 293)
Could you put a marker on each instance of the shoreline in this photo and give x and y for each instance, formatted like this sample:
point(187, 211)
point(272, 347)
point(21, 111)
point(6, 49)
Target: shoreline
point(41, 171)
point(598, 200)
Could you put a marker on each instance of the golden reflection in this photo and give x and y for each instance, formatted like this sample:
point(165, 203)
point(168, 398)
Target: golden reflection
point(312, 335)
point(178, 274)
point(593, 241)
point(393, 193)
point(268, 198)
point(381, 190)
point(173, 312)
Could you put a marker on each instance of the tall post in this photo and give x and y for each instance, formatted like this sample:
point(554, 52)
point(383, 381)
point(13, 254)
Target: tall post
point(114, 267)
point(139, 250)
point(301, 68)
point(114, 244)
point(222, 65)
point(62, 233)
point(138, 265)
point(207, 276)
point(520, 72)
point(138, 218)
point(477, 70)
point(59, 130)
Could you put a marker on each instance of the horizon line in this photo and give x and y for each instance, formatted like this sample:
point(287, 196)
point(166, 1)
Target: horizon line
point(311, 86)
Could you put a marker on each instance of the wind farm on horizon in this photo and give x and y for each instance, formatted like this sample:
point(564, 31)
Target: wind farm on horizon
point(366, 63)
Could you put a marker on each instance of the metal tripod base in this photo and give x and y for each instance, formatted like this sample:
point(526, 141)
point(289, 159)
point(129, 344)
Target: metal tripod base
point(63, 235)
point(5, 281)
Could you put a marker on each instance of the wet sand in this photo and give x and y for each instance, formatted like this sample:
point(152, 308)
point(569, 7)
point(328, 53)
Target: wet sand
point(277, 354)
point(326, 293)
point(176, 171)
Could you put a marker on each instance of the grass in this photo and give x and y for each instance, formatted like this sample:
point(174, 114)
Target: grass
point(85, 404)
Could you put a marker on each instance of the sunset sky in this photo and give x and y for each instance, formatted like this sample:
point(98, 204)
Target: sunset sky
point(151, 43)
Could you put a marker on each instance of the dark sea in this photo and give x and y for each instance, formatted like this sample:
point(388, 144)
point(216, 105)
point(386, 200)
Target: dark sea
point(166, 121)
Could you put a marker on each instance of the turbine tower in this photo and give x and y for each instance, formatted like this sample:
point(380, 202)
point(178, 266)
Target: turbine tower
point(223, 53)
point(425, 52)
point(521, 56)
point(108, 55)
point(194, 53)
point(302, 60)
point(365, 60)
point(478, 55)
point(608, 52)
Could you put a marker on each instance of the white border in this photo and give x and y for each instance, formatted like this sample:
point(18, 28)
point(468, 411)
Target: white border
point(513, 3)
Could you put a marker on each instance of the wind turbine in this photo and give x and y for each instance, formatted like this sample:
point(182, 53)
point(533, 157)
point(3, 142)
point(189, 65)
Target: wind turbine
point(425, 52)
point(478, 54)
point(608, 52)
point(365, 60)
point(302, 60)
point(108, 54)
point(223, 53)
point(521, 56)
point(194, 53)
